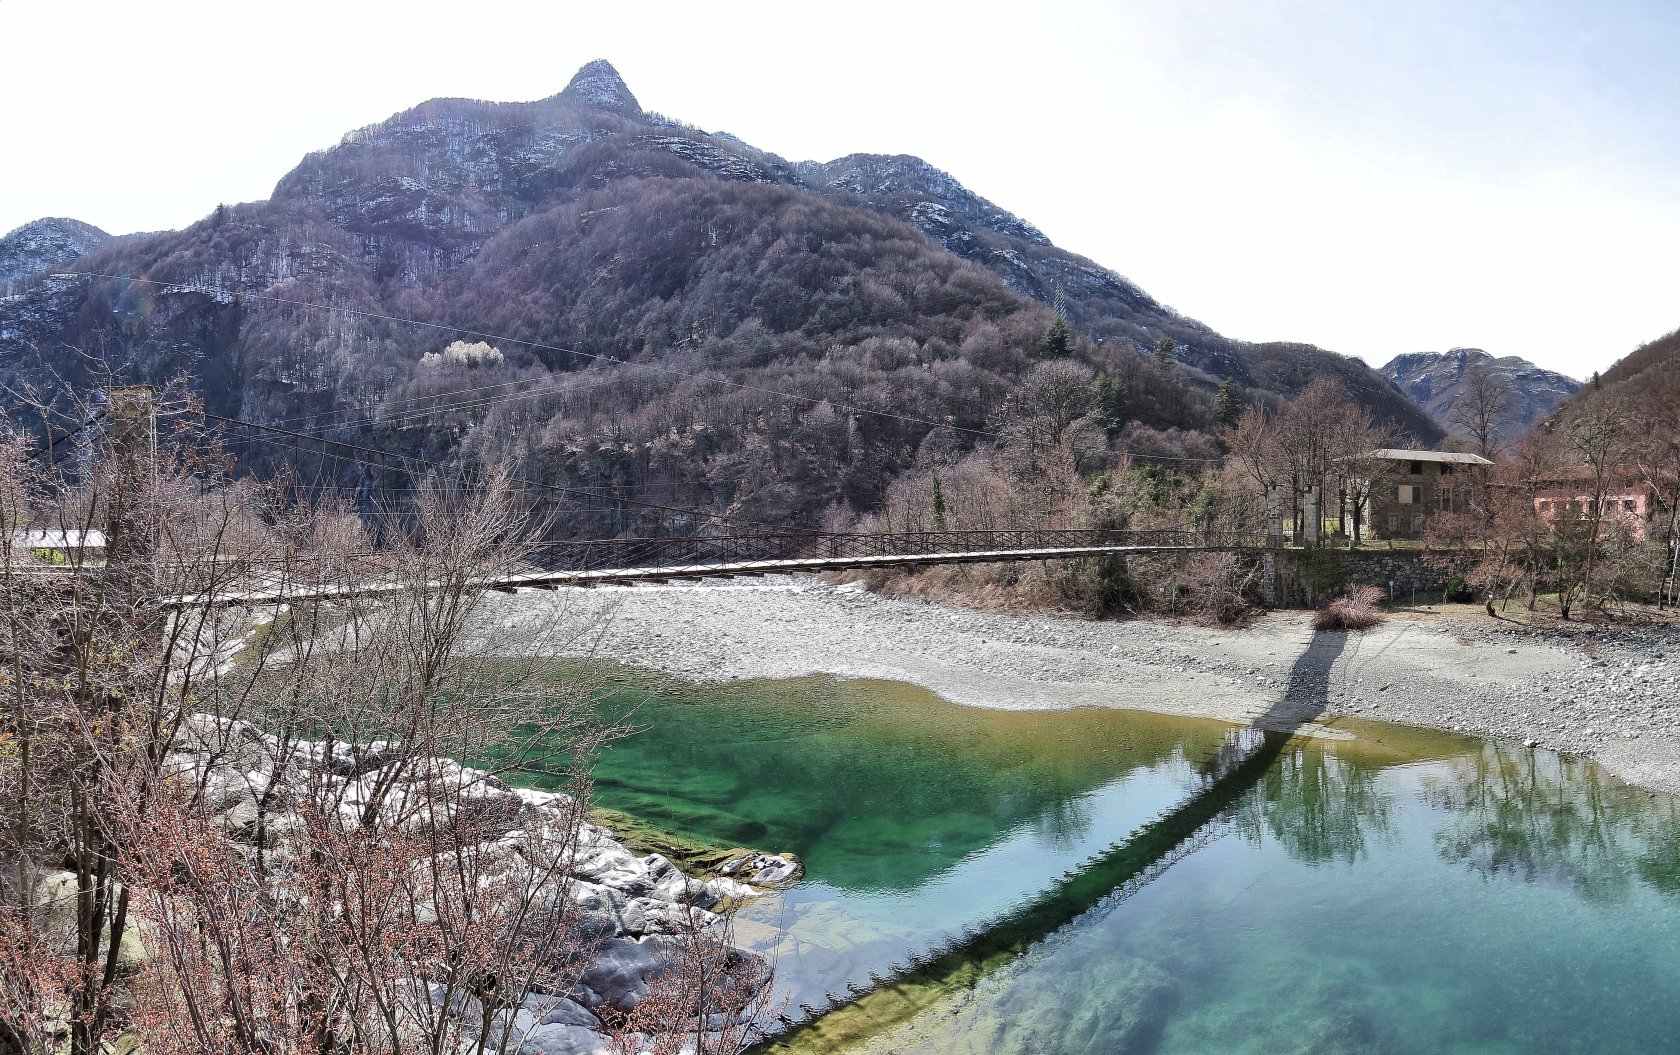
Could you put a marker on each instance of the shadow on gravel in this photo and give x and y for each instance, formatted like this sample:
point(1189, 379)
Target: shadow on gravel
point(1308, 692)
point(1104, 881)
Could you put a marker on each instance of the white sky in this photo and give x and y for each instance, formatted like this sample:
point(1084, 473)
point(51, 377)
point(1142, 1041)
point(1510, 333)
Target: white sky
point(1374, 179)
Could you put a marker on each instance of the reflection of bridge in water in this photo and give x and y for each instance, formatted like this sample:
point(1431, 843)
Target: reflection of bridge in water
point(637, 561)
point(1102, 882)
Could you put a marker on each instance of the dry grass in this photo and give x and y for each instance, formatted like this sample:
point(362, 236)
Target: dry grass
point(1355, 610)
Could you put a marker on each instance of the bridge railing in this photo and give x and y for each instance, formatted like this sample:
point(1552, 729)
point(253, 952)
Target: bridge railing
point(692, 550)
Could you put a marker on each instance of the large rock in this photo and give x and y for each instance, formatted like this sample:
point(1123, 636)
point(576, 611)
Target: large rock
point(564, 1039)
point(618, 979)
point(637, 911)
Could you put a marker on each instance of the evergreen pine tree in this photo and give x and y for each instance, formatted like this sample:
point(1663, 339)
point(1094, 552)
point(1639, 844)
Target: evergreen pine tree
point(1057, 341)
point(1111, 404)
point(1164, 349)
point(1227, 406)
point(938, 505)
point(1597, 382)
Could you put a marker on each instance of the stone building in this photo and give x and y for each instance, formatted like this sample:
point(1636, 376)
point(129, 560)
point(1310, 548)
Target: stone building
point(1410, 487)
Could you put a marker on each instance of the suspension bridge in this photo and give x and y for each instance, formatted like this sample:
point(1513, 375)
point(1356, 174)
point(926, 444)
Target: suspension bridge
point(645, 561)
point(615, 561)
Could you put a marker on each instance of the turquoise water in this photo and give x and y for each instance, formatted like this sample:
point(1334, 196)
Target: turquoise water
point(1100, 881)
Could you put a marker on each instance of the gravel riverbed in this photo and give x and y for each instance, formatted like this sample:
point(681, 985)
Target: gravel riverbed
point(1613, 694)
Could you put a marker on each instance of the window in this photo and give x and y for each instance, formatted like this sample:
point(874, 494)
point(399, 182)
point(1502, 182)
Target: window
point(1446, 469)
point(1417, 468)
point(1444, 497)
point(1393, 523)
point(1404, 495)
point(1630, 505)
point(1417, 522)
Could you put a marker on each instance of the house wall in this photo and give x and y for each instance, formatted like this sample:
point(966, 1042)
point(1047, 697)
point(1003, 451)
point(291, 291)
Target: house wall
point(1629, 506)
point(1390, 517)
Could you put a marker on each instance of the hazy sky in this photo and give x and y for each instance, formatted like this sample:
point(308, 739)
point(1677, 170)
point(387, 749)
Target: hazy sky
point(1372, 178)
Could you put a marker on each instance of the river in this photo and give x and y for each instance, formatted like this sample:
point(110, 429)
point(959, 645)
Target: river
point(1102, 880)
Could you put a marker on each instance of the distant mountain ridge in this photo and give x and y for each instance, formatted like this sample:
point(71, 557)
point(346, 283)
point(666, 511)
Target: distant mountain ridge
point(581, 221)
point(1435, 381)
point(44, 244)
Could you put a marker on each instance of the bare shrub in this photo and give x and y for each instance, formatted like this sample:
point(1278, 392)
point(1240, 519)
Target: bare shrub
point(1226, 583)
point(290, 832)
point(1354, 610)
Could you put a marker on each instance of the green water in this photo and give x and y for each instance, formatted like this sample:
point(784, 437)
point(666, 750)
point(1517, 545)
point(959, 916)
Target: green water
point(1099, 881)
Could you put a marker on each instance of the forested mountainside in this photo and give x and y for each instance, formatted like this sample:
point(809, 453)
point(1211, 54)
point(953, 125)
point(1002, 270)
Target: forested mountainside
point(1642, 386)
point(1660, 354)
point(1436, 382)
point(654, 294)
point(42, 245)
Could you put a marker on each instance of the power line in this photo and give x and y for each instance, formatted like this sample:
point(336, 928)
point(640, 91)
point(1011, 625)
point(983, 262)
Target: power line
point(349, 459)
point(411, 399)
point(403, 458)
point(72, 434)
point(469, 405)
point(598, 356)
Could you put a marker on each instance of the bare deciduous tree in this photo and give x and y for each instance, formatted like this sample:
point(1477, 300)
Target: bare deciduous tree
point(304, 819)
point(1482, 402)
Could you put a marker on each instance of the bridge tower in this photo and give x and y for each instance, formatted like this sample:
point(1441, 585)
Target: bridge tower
point(131, 526)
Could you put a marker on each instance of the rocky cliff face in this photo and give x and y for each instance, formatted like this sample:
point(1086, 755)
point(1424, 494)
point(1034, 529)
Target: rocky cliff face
point(962, 222)
point(42, 245)
point(1435, 381)
point(598, 84)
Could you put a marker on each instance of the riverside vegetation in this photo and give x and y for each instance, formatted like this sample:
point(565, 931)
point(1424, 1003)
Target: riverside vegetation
point(224, 841)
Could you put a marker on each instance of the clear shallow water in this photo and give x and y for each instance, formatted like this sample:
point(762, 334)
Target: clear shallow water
point(1401, 891)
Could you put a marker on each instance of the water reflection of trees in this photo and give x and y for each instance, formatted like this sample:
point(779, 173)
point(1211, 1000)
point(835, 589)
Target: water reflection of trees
point(1064, 822)
point(1318, 806)
point(1541, 818)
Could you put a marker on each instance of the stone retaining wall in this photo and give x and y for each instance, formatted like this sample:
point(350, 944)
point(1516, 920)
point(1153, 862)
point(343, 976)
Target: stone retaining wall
point(1309, 578)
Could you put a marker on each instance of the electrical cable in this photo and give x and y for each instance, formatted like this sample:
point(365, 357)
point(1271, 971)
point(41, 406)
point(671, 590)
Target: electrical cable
point(405, 458)
point(598, 356)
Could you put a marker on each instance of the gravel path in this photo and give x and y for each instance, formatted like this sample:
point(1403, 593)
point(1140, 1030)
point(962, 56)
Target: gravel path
point(1614, 695)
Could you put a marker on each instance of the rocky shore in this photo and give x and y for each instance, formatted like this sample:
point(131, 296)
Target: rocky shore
point(636, 911)
point(1613, 694)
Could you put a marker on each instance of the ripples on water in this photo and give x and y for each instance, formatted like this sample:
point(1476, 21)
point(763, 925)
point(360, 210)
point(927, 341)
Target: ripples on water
point(1396, 891)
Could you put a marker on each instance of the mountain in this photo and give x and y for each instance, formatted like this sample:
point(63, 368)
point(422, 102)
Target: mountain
point(1435, 381)
point(1644, 361)
point(1642, 386)
point(655, 290)
point(42, 245)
